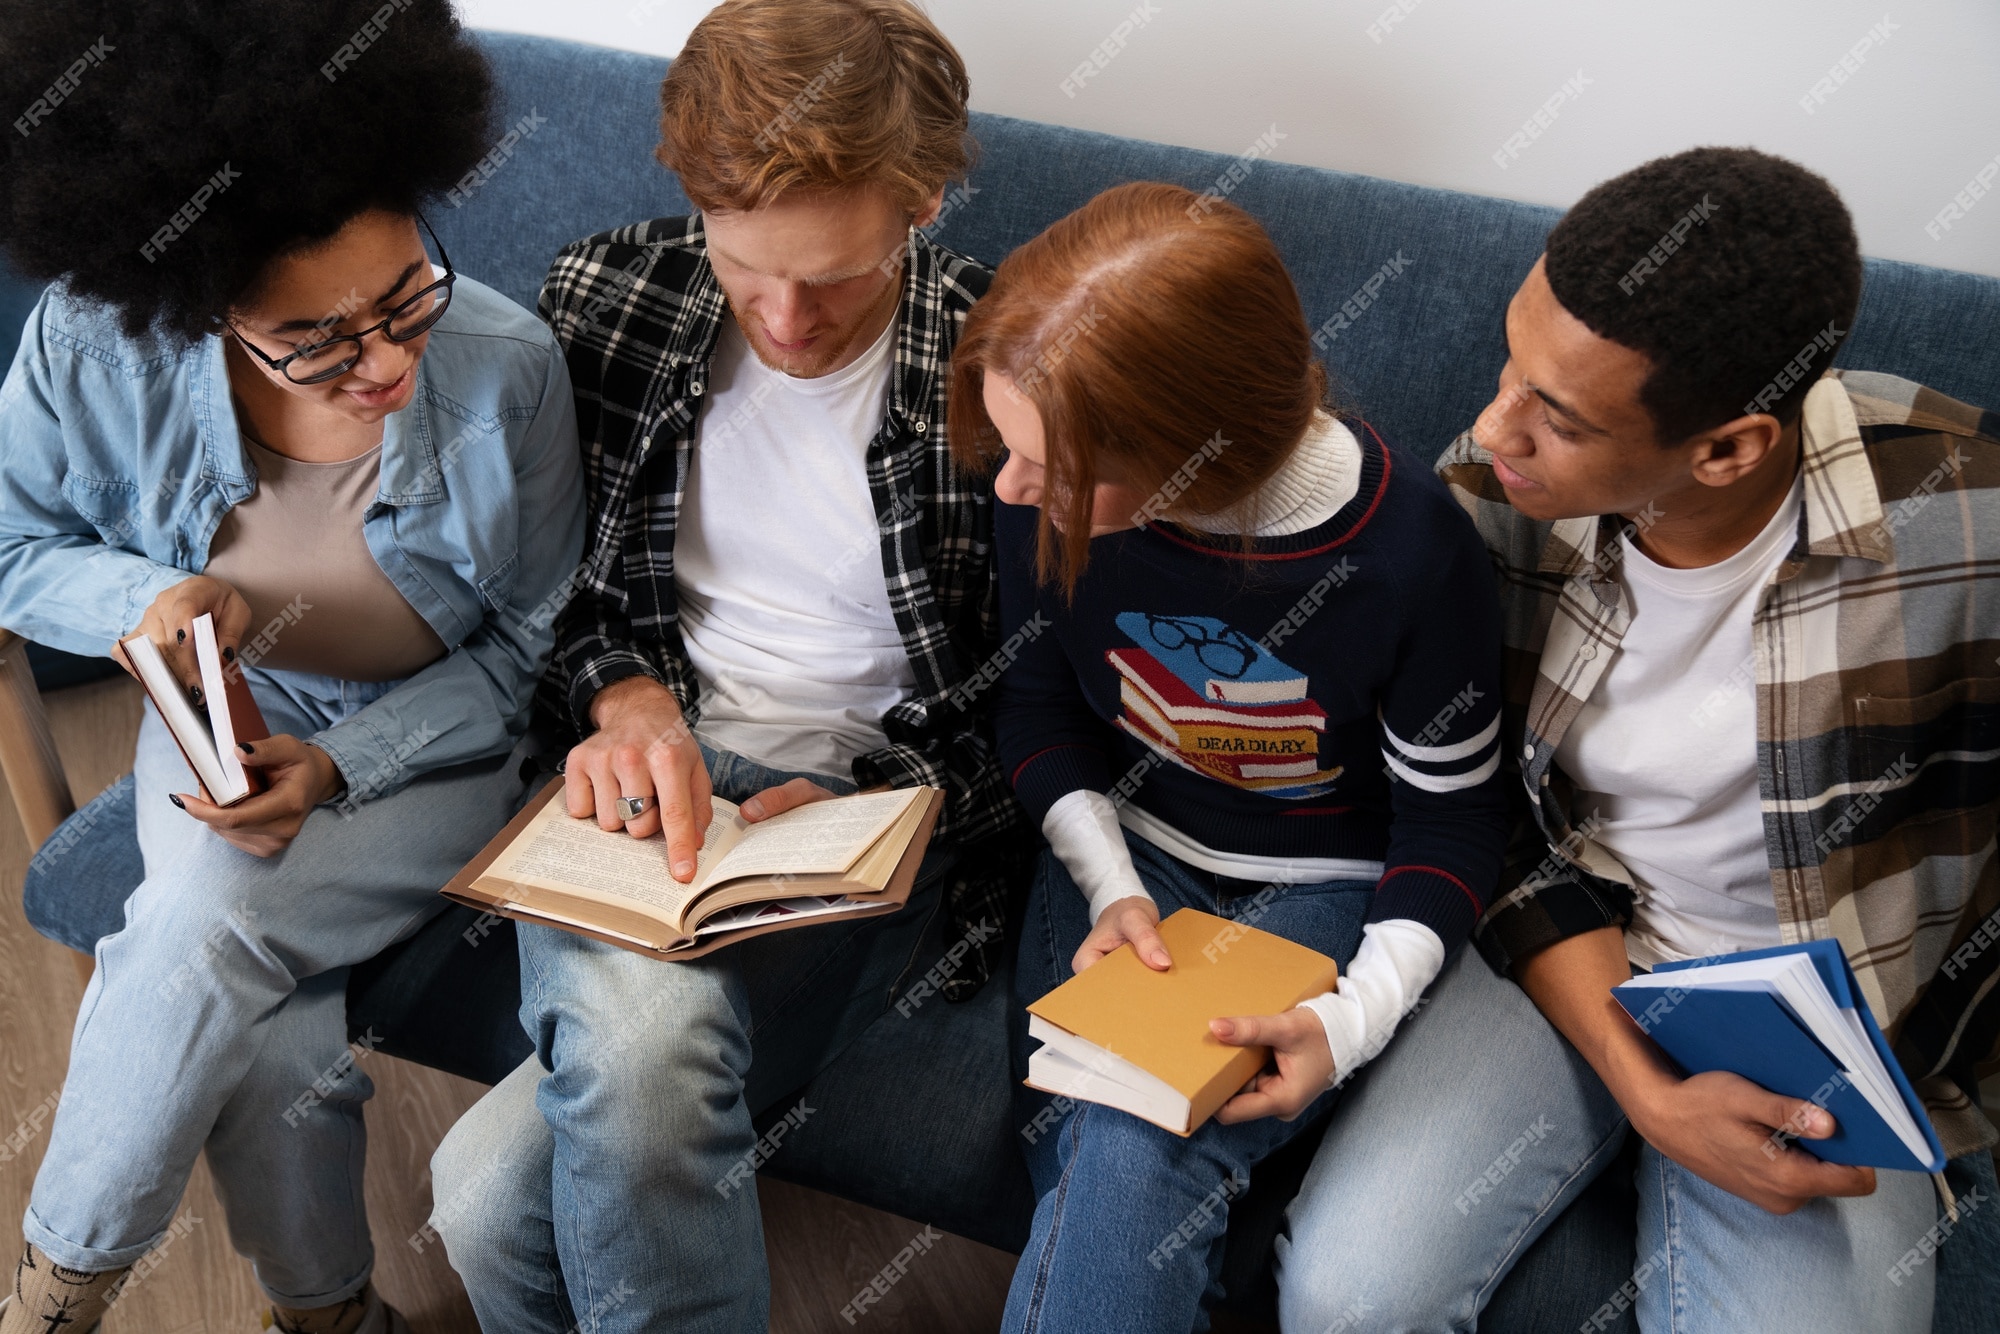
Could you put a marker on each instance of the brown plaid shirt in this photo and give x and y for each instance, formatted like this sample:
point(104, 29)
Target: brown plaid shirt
point(1877, 679)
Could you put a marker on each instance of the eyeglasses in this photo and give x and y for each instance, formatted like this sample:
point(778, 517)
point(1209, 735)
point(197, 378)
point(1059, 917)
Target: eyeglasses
point(1227, 654)
point(331, 358)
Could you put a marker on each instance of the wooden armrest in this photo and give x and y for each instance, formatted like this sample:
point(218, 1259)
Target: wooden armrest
point(28, 755)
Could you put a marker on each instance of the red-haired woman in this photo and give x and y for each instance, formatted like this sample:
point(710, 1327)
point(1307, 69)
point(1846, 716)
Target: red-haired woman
point(1258, 677)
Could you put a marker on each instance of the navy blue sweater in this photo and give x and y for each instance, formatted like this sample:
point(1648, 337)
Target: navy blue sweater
point(1331, 694)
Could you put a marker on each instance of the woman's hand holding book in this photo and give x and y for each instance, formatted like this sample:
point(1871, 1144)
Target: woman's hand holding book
point(169, 622)
point(301, 776)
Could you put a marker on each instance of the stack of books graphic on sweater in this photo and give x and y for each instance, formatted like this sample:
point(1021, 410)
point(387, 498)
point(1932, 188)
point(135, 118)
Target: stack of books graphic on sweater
point(1211, 699)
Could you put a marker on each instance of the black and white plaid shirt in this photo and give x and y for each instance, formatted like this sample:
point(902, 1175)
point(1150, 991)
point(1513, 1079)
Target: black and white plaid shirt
point(638, 312)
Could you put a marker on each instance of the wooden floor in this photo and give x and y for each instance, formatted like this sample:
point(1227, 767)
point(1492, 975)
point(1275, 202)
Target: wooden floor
point(824, 1250)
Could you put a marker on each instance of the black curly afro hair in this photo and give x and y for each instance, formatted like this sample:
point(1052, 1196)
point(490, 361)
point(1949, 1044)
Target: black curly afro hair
point(1724, 303)
point(160, 155)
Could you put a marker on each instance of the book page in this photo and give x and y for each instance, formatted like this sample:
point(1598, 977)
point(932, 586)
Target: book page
point(816, 839)
point(576, 855)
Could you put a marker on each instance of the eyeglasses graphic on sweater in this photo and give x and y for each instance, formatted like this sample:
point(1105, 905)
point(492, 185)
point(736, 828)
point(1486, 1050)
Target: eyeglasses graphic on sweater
point(1226, 654)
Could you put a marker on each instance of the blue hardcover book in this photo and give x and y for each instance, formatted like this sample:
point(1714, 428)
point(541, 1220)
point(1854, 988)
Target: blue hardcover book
point(1791, 1019)
point(1214, 660)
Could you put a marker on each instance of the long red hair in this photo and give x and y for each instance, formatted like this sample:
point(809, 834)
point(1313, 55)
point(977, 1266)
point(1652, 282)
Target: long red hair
point(1162, 342)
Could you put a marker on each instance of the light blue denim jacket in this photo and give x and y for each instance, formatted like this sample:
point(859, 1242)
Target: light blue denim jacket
point(119, 456)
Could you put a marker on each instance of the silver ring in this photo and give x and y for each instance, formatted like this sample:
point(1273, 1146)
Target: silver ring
point(631, 808)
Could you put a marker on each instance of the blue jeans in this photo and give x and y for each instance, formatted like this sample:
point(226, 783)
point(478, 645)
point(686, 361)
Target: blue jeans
point(607, 1182)
point(1129, 1218)
point(217, 1018)
point(1480, 1124)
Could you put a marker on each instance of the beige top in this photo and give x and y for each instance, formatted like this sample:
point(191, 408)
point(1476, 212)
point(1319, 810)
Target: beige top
point(318, 601)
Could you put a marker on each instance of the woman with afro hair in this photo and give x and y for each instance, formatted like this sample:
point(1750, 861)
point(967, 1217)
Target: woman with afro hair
point(249, 392)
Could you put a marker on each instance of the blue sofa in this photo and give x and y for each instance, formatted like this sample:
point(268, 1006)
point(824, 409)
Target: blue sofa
point(915, 1117)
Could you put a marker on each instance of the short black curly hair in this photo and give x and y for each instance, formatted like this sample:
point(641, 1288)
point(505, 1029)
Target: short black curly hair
point(162, 154)
point(1736, 273)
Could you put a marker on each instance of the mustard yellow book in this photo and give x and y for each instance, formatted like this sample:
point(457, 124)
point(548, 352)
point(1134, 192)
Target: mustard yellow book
point(1125, 1036)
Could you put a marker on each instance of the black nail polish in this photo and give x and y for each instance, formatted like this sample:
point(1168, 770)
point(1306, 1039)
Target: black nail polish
point(175, 798)
point(244, 746)
point(180, 636)
point(229, 655)
point(194, 693)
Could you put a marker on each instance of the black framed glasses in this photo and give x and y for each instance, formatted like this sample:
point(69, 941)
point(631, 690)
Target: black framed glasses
point(1227, 654)
point(331, 358)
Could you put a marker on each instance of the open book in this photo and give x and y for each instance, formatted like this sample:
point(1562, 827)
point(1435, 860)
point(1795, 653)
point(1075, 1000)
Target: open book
point(1792, 1019)
point(1123, 1035)
point(207, 735)
point(853, 856)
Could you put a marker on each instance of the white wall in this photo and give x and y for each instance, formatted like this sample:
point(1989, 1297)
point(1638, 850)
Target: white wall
point(1434, 93)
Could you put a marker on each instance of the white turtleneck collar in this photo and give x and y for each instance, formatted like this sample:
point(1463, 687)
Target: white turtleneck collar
point(1322, 474)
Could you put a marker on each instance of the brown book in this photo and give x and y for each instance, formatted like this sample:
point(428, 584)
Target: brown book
point(833, 860)
point(1123, 1035)
point(207, 734)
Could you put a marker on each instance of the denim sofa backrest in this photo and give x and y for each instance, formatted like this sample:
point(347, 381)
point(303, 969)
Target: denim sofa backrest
point(1407, 285)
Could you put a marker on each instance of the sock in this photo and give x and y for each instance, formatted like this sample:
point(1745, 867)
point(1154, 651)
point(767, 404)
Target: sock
point(48, 1297)
point(340, 1318)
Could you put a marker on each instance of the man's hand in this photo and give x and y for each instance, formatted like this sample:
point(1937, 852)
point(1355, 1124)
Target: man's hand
point(642, 747)
point(1297, 1040)
point(169, 622)
point(1726, 1130)
point(784, 797)
point(1719, 1126)
point(301, 776)
point(1133, 921)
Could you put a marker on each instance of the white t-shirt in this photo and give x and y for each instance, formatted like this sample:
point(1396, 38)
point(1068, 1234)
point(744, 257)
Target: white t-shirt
point(778, 563)
point(1664, 752)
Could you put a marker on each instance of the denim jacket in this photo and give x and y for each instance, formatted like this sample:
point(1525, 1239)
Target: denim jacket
point(122, 454)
